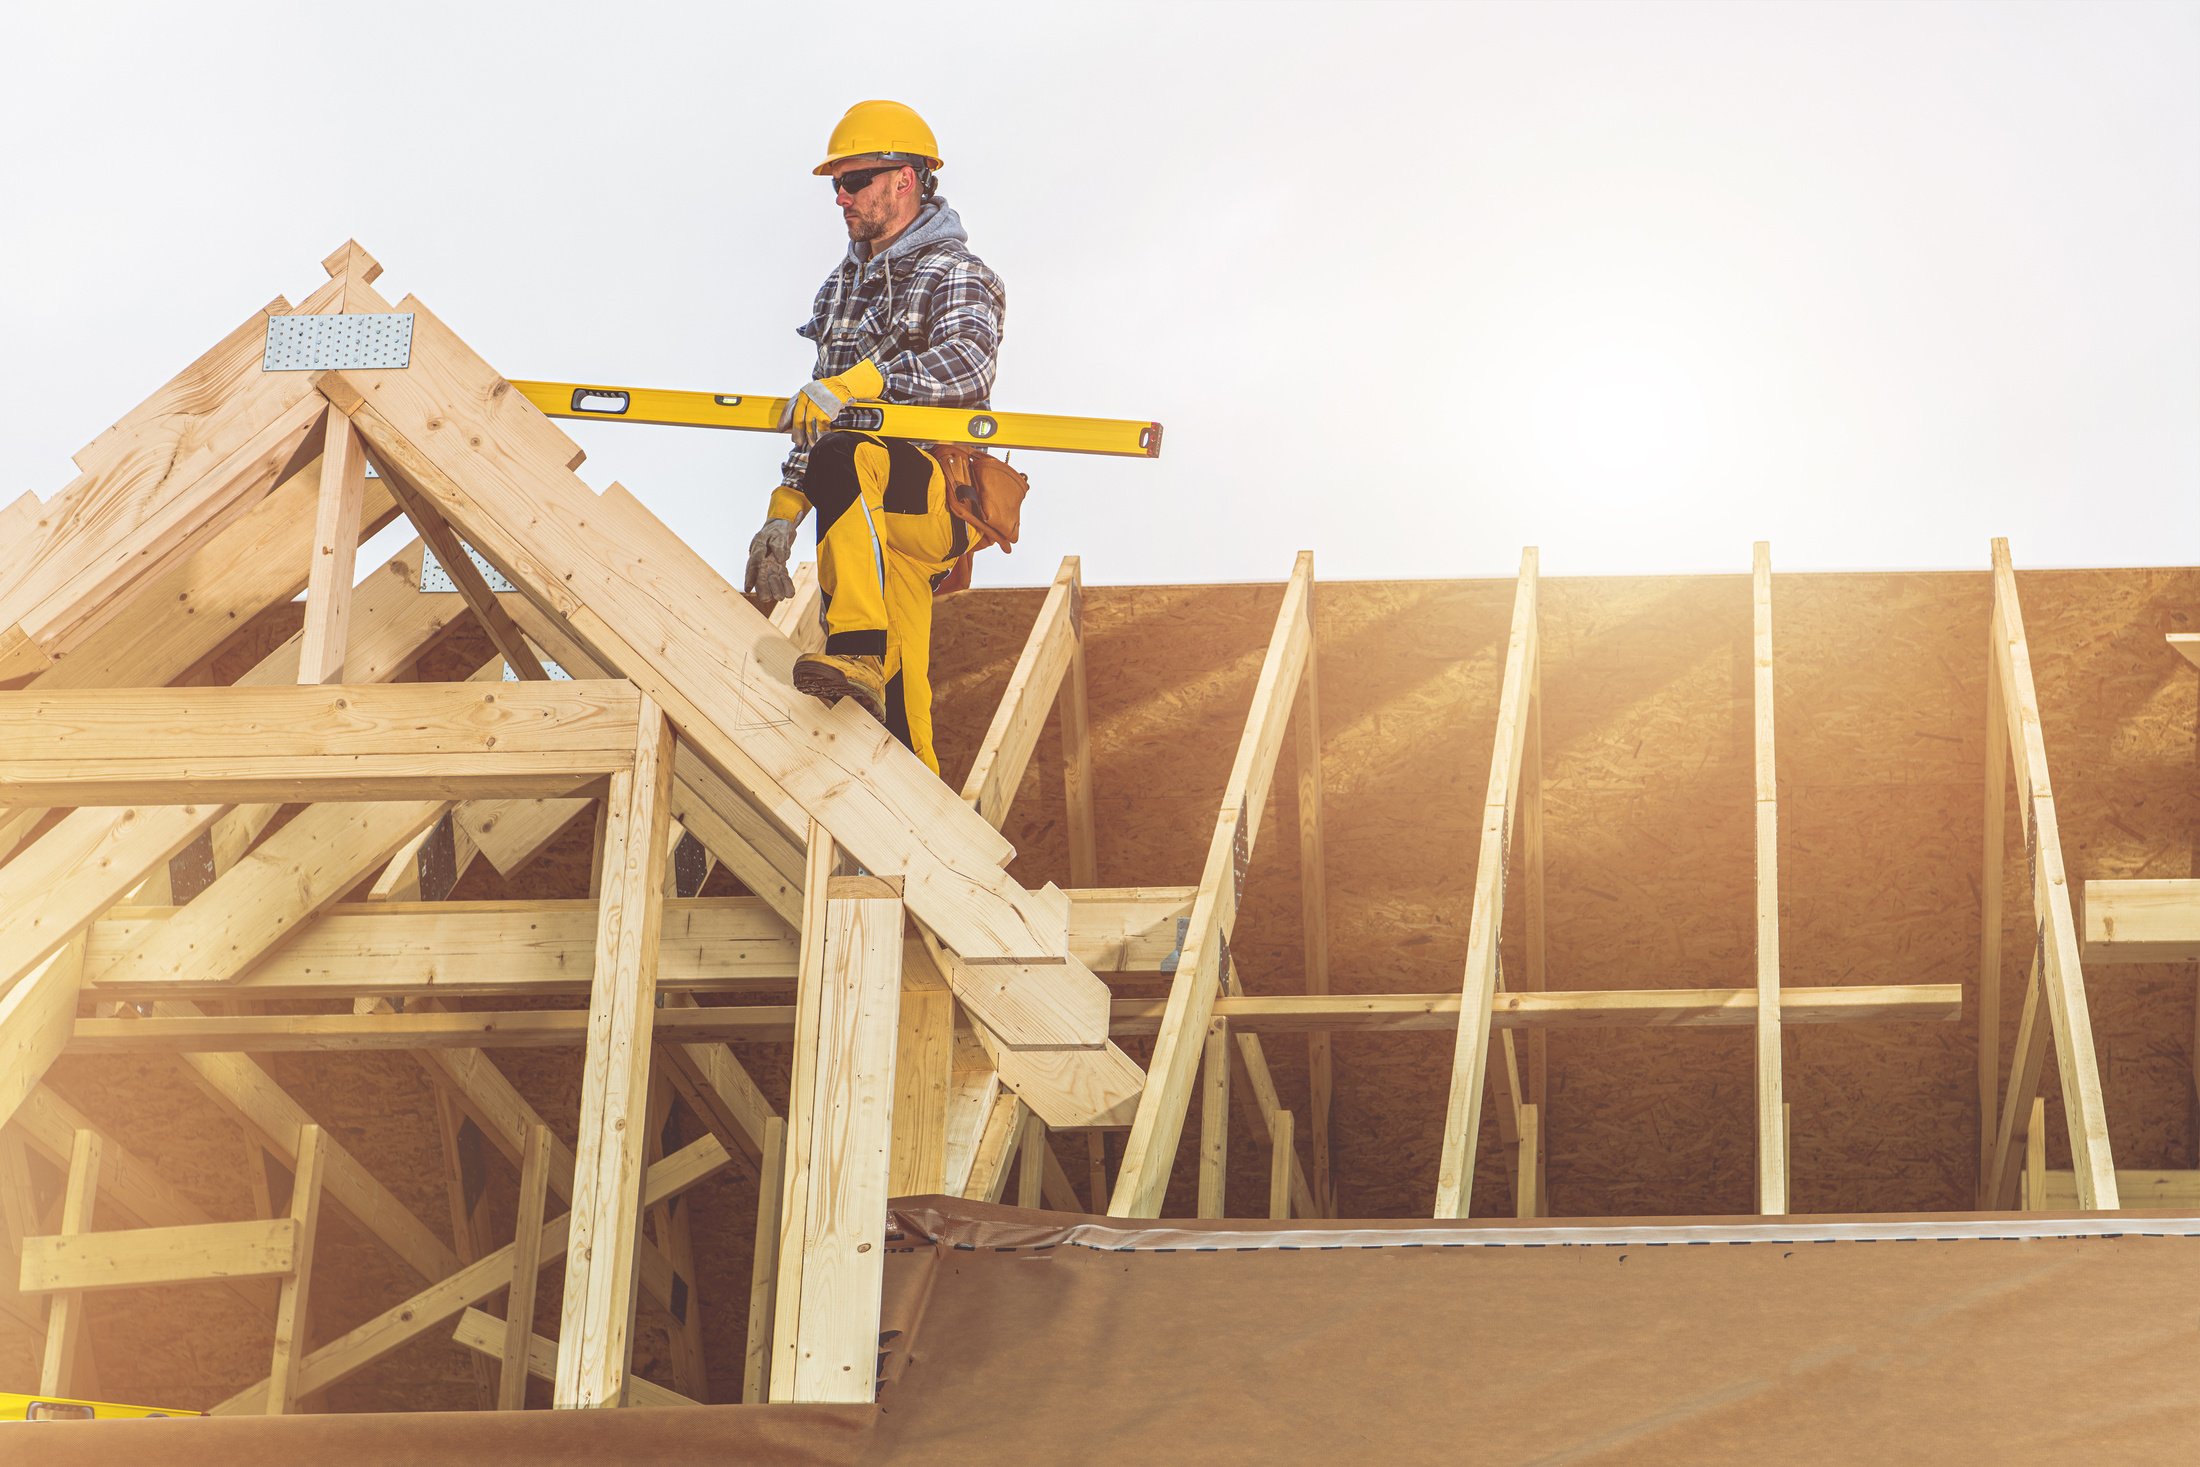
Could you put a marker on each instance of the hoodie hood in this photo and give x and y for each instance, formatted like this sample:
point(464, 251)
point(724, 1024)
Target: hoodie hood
point(936, 223)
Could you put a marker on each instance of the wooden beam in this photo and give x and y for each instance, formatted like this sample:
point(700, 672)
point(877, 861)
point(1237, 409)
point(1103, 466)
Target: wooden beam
point(291, 1313)
point(336, 526)
point(1533, 977)
point(1005, 752)
point(19, 1219)
point(341, 742)
point(2024, 1085)
point(996, 1150)
point(465, 1185)
point(924, 1060)
point(35, 1017)
point(1998, 754)
point(1268, 1111)
point(2034, 1195)
point(1075, 705)
point(1096, 1169)
point(65, 1331)
point(486, 1335)
point(1214, 1122)
point(2062, 974)
point(444, 1299)
point(1289, 1013)
point(546, 949)
point(764, 1265)
point(709, 1077)
point(1282, 1159)
point(974, 1085)
point(596, 1329)
point(825, 1337)
point(510, 833)
point(1314, 917)
point(1528, 1168)
point(450, 553)
point(2179, 1190)
point(537, 949)
point(1463, 1110)
point(669, 1226)
point(1203, 969)
point(519, 1310)
point(84, 1261)
point(1772, 1167)
point(2141, 921)
point(1031, 1164)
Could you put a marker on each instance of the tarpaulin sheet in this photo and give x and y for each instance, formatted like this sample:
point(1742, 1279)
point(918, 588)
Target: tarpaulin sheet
point(1020, 1337)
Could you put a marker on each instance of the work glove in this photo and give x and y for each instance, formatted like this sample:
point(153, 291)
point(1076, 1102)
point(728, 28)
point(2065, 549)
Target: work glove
point(810, 412)
point(766, 579)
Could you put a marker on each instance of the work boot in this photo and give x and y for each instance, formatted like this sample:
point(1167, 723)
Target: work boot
point(832, 678)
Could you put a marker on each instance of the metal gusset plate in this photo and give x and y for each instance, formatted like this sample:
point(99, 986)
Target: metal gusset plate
point(337, 343)
point(433, 577)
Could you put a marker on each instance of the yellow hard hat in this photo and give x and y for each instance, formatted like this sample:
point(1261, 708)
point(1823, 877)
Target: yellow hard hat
point(880, 127)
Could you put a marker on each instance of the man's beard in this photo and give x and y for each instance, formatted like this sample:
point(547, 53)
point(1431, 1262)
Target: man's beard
point(863, 230)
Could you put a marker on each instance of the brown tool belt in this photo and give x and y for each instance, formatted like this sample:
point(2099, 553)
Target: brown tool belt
point(987, 495)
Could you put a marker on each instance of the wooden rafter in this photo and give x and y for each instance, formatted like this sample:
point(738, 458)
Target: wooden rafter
point(1204, 970)
point(1463, 1111)
point(2059, 981)
point(1772, 1160)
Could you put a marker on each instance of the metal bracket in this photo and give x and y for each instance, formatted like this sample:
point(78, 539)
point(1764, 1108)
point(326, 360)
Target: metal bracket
point(337, 343)
point(1176, 954)
point(433, 577)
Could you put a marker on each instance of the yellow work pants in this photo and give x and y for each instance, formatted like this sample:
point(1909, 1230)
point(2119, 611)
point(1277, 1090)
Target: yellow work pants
point(884, 538)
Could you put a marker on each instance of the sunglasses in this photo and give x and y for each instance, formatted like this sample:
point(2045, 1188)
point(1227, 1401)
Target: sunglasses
point(856, 180)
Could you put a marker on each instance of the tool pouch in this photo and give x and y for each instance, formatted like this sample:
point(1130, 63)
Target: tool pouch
point(987, 495)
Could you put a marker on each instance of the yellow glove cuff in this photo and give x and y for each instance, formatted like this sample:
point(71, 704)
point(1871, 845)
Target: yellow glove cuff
point(861, 382)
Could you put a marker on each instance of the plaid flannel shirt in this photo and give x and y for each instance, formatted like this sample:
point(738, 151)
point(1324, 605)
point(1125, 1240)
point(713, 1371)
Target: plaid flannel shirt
point(929, 317)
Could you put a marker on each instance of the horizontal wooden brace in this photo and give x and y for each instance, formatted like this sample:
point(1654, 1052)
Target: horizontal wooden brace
point(200, 1253)
point(2134, 1189)
point(2140, 922)
point(548, 948)
point(175, 746)
point(1699, 1008)
point(774, 1023)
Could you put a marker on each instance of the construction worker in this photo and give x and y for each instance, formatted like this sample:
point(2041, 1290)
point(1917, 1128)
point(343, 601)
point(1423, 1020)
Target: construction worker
point(909, 316)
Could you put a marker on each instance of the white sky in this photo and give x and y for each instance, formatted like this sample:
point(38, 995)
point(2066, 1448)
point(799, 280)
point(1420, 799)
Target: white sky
point(1410, 285)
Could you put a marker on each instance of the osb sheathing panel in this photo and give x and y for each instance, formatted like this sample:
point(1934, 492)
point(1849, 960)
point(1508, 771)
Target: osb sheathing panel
point(1646, 732)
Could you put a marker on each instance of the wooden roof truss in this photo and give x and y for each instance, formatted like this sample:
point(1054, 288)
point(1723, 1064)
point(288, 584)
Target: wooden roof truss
point(155, 902)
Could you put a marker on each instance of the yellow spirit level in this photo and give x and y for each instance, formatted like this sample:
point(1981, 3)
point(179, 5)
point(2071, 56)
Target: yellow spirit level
point(1120, 437)
point(61, 1408)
